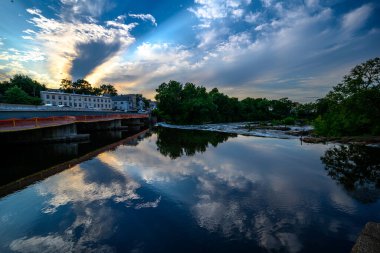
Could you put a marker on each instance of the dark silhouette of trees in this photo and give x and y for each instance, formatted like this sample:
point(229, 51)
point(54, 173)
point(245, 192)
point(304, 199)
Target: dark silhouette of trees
point(30, 86)
point(191, 104)
point(108, 89)
point(353, 106)
point(187, 142)
point(82, 86)
point(21, 89)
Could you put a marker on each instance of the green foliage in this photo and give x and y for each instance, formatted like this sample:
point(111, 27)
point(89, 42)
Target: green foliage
point(191, 104)
point(289, 121)
point(16, 95)
point(21, 89)
point(353, 106)
point(30, 86)
point(82, 86)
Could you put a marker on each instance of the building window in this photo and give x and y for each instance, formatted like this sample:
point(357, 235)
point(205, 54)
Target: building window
point(75, 104)
point(47, 96)
point(59, 97)
point(65, 98)
point(53, 96)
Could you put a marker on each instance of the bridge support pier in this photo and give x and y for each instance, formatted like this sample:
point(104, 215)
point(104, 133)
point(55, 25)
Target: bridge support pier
point(85, 127)
point(59, 133)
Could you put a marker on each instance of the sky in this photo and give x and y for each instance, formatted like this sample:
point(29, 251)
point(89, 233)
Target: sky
point(297, 49)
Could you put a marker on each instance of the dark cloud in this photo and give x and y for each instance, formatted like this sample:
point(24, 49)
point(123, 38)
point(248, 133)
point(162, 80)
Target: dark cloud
point(92, 55)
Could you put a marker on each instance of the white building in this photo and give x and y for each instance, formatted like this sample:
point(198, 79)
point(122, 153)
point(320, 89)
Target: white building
point(125, 102)
point(122, 103)
point(76, 100)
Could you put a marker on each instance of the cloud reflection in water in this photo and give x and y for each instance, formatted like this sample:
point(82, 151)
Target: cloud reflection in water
point(268, 193)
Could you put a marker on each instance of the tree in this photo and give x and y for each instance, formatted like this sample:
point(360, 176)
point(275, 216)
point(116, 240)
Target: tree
point(16, 95)
point(66, 86)
point(81, 86)
point(4, 86)
point(169, 100)
point(30, 86)
point(365, 76)
point(108, 89)
point(353, 106)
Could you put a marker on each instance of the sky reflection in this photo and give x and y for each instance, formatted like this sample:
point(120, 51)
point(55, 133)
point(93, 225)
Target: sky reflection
point(242, 194)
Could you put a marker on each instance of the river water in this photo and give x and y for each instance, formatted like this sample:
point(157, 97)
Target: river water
point(175, 190)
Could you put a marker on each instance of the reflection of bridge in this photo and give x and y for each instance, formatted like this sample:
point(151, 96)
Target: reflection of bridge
point(47, 172)
point(65, 127)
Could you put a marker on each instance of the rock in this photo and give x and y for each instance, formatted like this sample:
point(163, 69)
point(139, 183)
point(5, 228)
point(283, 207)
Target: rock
point(369, 239)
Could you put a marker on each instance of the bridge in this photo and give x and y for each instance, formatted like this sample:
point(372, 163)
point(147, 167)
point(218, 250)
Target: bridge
point(39, 124)
point(16, 124)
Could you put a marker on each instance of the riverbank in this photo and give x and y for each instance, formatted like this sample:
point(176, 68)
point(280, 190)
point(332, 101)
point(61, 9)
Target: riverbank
point(304, 133)
point(359, 140)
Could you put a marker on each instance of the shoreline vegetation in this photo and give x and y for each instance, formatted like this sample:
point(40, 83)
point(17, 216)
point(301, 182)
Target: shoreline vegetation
point(349, 113)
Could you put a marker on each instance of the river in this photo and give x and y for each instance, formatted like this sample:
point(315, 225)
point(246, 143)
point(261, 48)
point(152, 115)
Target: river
point(176, 190)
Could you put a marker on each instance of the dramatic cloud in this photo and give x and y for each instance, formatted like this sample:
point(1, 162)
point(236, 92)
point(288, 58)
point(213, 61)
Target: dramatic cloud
point(296, 49)
point(76, 48)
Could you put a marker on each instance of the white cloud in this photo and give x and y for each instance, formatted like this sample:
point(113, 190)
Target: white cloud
point(355, 19)
point(252, 17)
point(266, 3)
point(218, 9)
point(145, 17)
point(22, 56)
point(312, 3)
point(60, 40)
point(88, 7)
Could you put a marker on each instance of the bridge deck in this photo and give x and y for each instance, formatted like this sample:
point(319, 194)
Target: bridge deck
point(11, 125)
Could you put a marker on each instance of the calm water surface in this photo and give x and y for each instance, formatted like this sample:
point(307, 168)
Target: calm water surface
point(194, 191)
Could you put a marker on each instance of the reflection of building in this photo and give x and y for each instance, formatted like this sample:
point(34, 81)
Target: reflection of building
point(56, 98)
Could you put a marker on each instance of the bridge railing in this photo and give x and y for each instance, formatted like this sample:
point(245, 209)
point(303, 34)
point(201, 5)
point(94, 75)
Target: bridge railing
point(58, 120)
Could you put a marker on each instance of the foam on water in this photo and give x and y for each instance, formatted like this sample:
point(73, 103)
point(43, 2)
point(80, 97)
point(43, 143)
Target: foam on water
point(238, 128)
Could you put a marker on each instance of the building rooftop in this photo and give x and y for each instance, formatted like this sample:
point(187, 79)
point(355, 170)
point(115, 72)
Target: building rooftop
point(122, 97)
point(73, 94)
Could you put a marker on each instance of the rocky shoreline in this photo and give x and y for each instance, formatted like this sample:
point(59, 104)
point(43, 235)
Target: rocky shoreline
point(307, 135)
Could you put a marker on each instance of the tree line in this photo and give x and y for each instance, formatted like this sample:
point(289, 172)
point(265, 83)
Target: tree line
point(351, 108)
point(191, 104)
point(21, 89)
point(82, 86)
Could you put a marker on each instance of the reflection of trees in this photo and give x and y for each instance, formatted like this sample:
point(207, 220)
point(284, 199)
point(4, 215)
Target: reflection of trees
point(176, 142)
point(357, 168)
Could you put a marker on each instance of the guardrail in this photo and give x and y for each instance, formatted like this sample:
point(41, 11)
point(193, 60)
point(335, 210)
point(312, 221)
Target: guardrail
point(60, 120)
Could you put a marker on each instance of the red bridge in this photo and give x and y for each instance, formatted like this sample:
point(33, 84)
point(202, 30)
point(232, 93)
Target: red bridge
point(10, 125)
